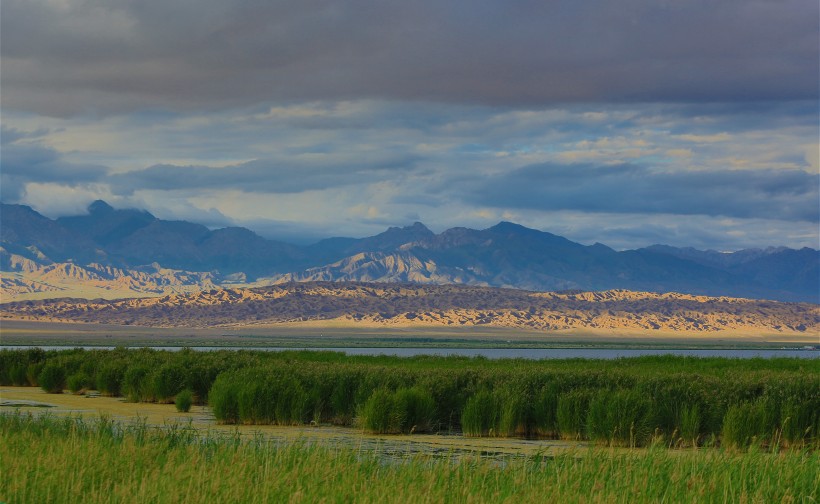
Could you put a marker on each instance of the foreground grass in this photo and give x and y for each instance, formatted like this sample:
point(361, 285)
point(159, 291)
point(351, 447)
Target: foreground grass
point(48, 459)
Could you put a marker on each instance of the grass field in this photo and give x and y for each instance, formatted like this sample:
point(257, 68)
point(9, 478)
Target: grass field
point(47, 459)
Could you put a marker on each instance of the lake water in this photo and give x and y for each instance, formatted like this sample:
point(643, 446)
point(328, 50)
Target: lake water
point(507, 353)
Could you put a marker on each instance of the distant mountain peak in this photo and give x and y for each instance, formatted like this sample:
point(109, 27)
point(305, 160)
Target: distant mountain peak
point(100, 207)
point(418, 226)
point(512, 227)
point(414, 232)
point(509, 226)
point(415, 227)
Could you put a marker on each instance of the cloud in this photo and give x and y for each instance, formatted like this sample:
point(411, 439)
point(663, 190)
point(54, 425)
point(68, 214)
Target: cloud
point(267, 176)
point(73, 57)
point(718, 137)
point(24, 162)
point(58, 199)
point(315, 169)
point(10, 135)
point(630, 231)
point(628, 188)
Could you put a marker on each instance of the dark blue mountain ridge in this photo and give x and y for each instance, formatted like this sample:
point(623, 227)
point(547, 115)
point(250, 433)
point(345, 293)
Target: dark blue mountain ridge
point(504, 255)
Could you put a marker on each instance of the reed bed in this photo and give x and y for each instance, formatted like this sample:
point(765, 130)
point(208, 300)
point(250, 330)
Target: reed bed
point(49, 459)
point(682, 401)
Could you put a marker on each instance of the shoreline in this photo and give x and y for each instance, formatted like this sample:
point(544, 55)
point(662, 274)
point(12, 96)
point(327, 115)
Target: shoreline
point(329, 336)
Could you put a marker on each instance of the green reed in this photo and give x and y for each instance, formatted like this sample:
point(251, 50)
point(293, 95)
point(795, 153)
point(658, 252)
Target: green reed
point(48, 459)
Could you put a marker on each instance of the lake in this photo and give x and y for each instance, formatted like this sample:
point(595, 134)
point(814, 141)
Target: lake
point(502, 353)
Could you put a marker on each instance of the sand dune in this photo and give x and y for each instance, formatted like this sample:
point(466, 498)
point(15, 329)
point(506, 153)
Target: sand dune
point(407, 305)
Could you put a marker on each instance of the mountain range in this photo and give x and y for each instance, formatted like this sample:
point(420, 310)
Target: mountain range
point(113, 253)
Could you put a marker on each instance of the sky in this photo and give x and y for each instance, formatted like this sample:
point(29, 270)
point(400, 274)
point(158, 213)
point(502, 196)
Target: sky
point(630, 123)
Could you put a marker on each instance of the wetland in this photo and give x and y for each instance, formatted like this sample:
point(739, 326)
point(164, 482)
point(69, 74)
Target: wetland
point(305, 426)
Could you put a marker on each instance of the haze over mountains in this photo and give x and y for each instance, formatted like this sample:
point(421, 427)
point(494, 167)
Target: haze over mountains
point(126, 253)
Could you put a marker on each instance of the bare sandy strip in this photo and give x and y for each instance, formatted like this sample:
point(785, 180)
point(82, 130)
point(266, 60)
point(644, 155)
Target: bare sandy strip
point(24, 332)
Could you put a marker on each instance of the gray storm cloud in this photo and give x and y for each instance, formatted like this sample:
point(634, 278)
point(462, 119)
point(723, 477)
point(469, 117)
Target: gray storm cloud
point(772, 194)
point(63, 58)
point(22, 163)
point(265, 176)
point(694, 121)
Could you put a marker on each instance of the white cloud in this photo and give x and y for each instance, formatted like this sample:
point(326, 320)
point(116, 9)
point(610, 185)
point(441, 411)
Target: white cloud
point(717, 137)
point(54, 200)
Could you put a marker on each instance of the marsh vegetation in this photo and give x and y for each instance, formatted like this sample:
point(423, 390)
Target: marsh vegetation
point(47, 459)
point(679, 401)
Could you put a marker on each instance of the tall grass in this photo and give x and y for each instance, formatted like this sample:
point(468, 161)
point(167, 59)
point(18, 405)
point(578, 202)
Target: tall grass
point(544, 411)
point(134, 383)
point(109, 378)
point(415, 409)
point(505, 412)
point(224, 400)
point(572, 413)
point(56, 460)
point(514, 415)
point(167, 382)
point(745, 424)
point(377, 414)
point(690, 425)
point(52, 378)
point(480, 417)
point(78, 382)
point(184, 400)
point(681, 400)
point(620, 418)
